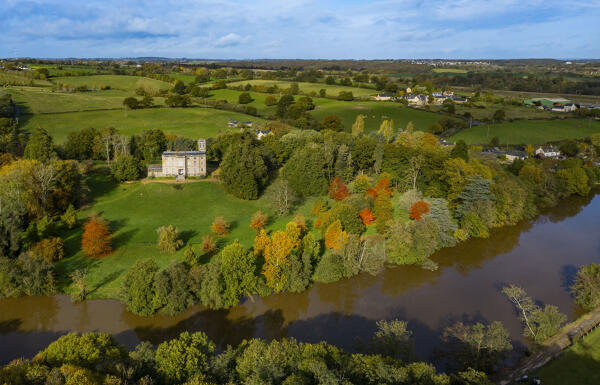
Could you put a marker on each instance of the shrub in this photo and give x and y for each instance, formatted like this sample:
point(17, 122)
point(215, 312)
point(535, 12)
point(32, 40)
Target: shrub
point(168, 239)
point(131, 103)
point(270, 100)
point(244, 98)
point(208, 243)
point(258, 221)
point(69, 218)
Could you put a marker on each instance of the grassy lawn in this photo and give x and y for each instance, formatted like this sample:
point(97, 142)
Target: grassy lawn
point(134, 212)
point(118, 82)
point(259, 100)
point(529, 131)
point(13, 79)
point(193, 122)
point(512, 112)
point(449, 71)
point(332, 90)
point(375, 113)
point(578, 365)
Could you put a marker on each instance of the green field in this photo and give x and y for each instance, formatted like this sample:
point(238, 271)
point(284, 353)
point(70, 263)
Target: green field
point(449, 71)
point(332, 90)
point(134, 212)
point(11, 79)
point(487, 112)
point(192, 122)
point(117, 82)
point(375, 113)
point(529, 131)
point(578, 365)
point(259, 99)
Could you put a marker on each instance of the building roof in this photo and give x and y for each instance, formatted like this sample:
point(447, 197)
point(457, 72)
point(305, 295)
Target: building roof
point(182, 153)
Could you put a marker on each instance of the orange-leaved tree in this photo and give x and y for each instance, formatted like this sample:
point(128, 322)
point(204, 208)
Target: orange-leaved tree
point(95, 240)
point(367, 216)
point(220, 226)
point(258, 221)
point(338, 190)
point(418, 209)
point(209, 243)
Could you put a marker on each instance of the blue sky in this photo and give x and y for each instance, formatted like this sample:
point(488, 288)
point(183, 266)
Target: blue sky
point(307, 29)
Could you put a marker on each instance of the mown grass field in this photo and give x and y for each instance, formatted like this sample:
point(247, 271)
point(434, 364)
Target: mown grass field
point(449, 70)
point(192, 122)
point(375, 113)
point(134, 212)
point(578, 365)
point(512, 112)
point(332, 90)
point(529, 131)
point(117, 82)
point(11, 79)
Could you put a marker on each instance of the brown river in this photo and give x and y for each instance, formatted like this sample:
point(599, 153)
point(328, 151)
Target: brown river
point(541, 255)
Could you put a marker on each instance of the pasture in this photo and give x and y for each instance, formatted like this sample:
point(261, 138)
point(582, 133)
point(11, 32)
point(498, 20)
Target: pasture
point(116, 82)
point(332, 90)
point(135, 210)
point(192, 122)
point(449, 71)
point(529, 131)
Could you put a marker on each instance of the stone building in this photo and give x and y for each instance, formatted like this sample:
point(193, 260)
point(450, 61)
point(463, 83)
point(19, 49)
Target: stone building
point(181, 164)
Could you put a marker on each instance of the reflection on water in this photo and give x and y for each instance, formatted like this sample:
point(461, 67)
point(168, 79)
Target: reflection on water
point(541, 255)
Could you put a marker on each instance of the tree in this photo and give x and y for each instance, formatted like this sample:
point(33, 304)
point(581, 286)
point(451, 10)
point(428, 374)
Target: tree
point(168, 239)
point(282, 105)
point(270, 100)
point(386, 130)
point(574, 180)
point(238, 266)
point(499, 115)
point(258, 221)
point(79, 278)
point(276, 254)
point(332, 123)
point(367, 216)
point(568, 147)
point(95, 240)
point(147, 101)
point(338, 190)
point(131, 103)
point(136, 290)
point(306, 171)
point(208, 244)
point(86, 350)
point(359, 125)
point(126, 167)
point(418, 209)
point(449, 106)
point(69, 218)
point(539, 324)
point(52, 249)
point(176, 100)
point(243, 170)
point(281, 196)
point(460, 150)
point(392, 339)
point(335, 237)
point(179, 87)
point(478, 346)
point(39, 146)
point(181, 358)
point(586, 287)
point(220, 226)
point(244, 98)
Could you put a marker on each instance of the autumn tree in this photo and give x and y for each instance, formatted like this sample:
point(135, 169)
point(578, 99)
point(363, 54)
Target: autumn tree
point(382, 203)
point(418, 209)
point(367, 216)
point(208, 244)
point(52, 249)
point(276, 253)
point(95, 240)
point(338, 190)
point(335, 237)
point(258, 221)
point(220, 226)
point(168, 239)
point(386, 130)
point(359, 125)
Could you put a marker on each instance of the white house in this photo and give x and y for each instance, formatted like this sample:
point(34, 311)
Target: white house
point(547, 152)
point(384, 97)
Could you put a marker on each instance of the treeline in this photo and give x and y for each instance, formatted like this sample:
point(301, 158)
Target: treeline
point(192, 359)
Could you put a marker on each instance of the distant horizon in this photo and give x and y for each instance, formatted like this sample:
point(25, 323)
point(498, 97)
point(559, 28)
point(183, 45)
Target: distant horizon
point(295, 59)
point(311, 29)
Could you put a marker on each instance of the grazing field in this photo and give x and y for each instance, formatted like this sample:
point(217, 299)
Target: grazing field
point(512, 112)
point(231, 96)
point(375, 113)
point(449, 71)
point(193, 122)
point(42, 100)
point(10, 79)
point(117, 82)
point(529, 131)
point(332, 90)
point(134, 212)
point(578, 365)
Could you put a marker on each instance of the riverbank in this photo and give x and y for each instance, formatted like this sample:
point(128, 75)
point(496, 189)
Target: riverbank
point(540, 255)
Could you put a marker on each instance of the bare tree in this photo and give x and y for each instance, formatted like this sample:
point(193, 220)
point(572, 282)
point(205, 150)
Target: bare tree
point(45, 178)
point(281, 196)
point(414, 169)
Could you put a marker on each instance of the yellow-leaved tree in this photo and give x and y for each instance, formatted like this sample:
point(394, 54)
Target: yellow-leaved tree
point(276, 254)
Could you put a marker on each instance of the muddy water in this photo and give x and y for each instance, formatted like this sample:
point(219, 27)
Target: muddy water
point(541, 255)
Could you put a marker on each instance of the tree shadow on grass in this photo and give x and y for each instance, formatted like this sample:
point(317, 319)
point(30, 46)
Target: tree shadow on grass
point(123, 238)
point(106, 280)
point(187, 235)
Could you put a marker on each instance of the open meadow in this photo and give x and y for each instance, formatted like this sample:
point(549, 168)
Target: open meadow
point(117, 82)
point(191, 122)
point(529, 131)
point(578, 365)
point(134, 212)
point(332, 90)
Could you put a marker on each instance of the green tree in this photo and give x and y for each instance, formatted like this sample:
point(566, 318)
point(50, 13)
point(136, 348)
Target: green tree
point(179, 87)
point(499, 115)
point(126, 167)
point(168, 239)
point(181, 358)
point(131, 103)
point(237, 267)
point(359, 125)
point(86, 350)
point(586, 287)
point(243, 170)
point(270, 100)
point(393, 339)
point(245, 98)
point(147, 101)
point(460, 150)
point(306, 171)
point(332, 123)
point(39, 146)
point(282, 105)
point(137, 286)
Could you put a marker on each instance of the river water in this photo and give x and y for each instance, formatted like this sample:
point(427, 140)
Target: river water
point(541, 255)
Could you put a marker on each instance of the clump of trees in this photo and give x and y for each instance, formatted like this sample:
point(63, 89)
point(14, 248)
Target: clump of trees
point(168, 239)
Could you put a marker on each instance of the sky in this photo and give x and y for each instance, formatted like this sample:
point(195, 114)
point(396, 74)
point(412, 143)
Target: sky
point(301, 29)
